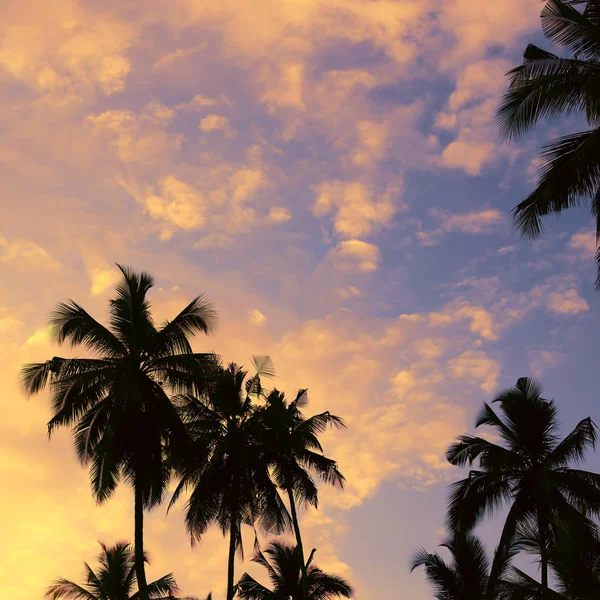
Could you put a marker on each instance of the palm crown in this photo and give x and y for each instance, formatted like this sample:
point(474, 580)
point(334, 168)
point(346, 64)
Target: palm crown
point(114, 580)
point(283, 566)
point(530, 470)
point(546, 85)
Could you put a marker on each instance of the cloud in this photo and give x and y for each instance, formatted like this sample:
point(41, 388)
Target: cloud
point(256, 317)
point(178, 205)
point(584, 241)
point(507, 250)
point(138, 138)
point(214, 122)
point(477, 367)
point(225, 204)
point(168, 60)
point(279, 214)
point(482, 322)
point(67, 45)
point(478, 81)
point(357, 210)
point(373, 139)
point(542, 360)
point(102, 277)
point(473, 223)
point(484, 221)
point(20, 252)
point(568, 302)
point(355, 254)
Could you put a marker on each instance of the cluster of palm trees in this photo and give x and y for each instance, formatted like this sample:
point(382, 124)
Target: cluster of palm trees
point(144, 408)
point(552, 506)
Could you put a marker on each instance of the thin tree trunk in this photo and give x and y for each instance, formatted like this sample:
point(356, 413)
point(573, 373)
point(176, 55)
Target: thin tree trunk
point(140, 572)
point(231, 563)
point(543, 557)
point(299, 544)
point(504, 545)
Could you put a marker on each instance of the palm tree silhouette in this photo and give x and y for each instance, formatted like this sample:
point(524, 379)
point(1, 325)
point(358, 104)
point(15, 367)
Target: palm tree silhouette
point(114, 580)
point(546, 85)
point(118, 402)
point(467, 577)
point(529, 470)
point(296, 454)
point(283, 565)
point(227, 469)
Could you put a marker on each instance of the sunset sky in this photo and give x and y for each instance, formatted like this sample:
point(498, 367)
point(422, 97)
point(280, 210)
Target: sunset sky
point(328, 172)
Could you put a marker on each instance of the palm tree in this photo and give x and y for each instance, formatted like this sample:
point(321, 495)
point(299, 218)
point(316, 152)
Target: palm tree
point(529, 470)
point(467, 577)
point(296, 454)
point(286, 578)
point(119, 402)
point(227, 469)
point(114, 580)
point(547, 85)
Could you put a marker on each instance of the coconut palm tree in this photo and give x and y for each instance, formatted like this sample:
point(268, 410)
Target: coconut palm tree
point(467, 577)
point(529, 470)
point(227, 469)
point(296, 455)
point(118, 402)
point(283, 565)
point(114, 580)
point(547, 85)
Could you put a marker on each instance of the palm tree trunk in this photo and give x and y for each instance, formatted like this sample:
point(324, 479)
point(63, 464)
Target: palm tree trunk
point(298, 543)
point(506, 540)
point(140, 572)
point(231, 563)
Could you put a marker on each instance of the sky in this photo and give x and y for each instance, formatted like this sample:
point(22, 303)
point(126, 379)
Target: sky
point(329, 174)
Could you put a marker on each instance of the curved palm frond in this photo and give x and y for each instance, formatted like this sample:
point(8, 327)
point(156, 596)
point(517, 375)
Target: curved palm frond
point(70, 322)
point(63, 588)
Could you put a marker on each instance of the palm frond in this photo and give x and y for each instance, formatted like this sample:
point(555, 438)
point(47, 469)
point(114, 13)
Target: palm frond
point(566, 26)
point(70, 322)
point(573, 447)
point(545, 86)
point(130, 317)
point(570, 174)
point(63, 588)
point(263, 366)
point(199, 316)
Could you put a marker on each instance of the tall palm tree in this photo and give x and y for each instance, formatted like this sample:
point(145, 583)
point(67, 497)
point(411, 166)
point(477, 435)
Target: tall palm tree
point(227, 469)
point(467, 577)
point(119, 402)
point(296, 454)
point(529, 470)
point(547, 85)
point(114, 580)
point(283, 566)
